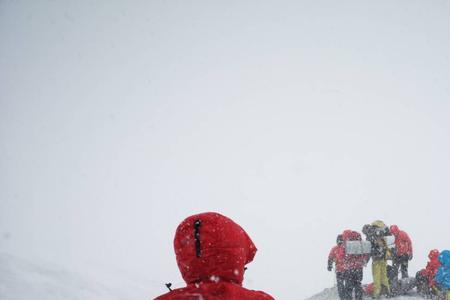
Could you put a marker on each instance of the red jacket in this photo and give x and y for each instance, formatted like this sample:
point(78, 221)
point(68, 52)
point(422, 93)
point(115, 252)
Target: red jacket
point(337, 255)
point(432, 266)
point(403, 243)
point(353, 262)
point(369, 289)
point(211, 252)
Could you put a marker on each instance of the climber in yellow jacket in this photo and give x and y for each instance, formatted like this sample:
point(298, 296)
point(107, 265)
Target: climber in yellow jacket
point(379, 264)
point(376, 233)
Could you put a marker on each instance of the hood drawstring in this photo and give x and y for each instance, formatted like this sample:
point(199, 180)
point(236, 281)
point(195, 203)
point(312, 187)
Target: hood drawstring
point(197, 225)
point(168, 285)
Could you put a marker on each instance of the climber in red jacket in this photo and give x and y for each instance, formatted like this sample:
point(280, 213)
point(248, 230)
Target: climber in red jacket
point(403, 250)
point(426, 283)
point(211, 252)
point(353, 265)
point(337, 256)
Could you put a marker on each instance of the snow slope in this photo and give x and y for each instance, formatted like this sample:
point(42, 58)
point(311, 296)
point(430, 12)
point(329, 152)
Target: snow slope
point(331, 294)
point(23, 280)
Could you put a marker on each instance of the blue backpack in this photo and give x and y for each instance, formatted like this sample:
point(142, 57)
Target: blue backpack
point(443, 273)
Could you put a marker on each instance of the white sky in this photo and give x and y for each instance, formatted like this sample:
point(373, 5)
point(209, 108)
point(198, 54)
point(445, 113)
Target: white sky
point(296, 119)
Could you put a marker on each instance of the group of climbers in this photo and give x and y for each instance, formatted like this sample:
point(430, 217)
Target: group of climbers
point(434, 279)
point(350, 262)
point(385, 244)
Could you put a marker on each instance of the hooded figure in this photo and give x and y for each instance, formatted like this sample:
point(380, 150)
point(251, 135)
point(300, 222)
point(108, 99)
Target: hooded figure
point(425, 278)
point(432, 267)
point(211, 252)
point(353, 265)
point(443, 274)
point(403, 250)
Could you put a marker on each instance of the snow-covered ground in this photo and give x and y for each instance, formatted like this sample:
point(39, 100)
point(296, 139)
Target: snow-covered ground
point(21, 279)
point(331, 294)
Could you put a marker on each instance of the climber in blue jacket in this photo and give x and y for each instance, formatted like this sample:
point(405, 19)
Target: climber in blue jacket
point(443, 273)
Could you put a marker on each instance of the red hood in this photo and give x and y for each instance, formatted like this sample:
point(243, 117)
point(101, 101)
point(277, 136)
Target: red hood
point(434, 255)
point(220, 251)
point(350, 235)
point(434, 263)
point(346, 235)
point(394, 230)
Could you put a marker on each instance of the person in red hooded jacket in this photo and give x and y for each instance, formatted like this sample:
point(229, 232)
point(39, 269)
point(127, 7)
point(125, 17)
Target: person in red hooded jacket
point(426, 283)
point(211, 252)
point(353, 265)
point(337, 256)
point(403, 250)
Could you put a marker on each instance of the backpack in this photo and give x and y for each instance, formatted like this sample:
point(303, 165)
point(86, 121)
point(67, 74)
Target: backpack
point(354, 245)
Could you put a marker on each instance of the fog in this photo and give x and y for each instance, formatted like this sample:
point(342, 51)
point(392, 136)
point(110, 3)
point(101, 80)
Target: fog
point(297, 119)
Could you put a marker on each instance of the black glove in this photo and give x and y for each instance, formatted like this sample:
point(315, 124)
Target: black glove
point(330, 264)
